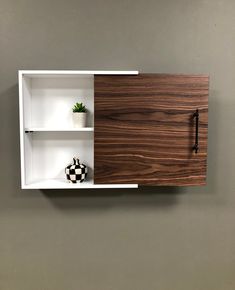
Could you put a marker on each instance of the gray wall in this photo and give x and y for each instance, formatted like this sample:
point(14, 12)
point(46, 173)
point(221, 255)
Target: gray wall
point(151, 238)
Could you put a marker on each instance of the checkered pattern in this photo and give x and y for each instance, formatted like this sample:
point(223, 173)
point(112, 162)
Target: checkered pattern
point(76, 172)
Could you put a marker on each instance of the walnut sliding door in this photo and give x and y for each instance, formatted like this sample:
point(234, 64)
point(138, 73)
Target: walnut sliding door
point(146, 127)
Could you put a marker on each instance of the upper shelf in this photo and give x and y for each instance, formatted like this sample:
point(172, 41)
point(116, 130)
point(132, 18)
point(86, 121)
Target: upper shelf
point(54, 129)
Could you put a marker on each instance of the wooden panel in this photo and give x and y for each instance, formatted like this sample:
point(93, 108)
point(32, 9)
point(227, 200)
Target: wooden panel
point(144, 129)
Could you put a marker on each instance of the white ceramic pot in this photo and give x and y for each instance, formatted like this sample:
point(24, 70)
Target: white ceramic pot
point(79, 119)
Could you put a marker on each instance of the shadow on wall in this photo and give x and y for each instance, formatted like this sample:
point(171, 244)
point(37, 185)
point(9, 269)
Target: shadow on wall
point(160, 196)
point(72, 199)
point(108, 198)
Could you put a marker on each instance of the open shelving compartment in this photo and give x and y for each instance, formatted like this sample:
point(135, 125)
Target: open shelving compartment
point(48, 139)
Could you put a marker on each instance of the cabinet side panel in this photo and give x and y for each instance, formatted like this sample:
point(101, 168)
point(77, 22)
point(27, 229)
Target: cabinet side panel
point(25, 120)
point(21, 123)
point(145, 131)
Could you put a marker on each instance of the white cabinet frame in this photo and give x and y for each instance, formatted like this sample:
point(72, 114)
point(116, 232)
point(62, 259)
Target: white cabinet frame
point(48, 140)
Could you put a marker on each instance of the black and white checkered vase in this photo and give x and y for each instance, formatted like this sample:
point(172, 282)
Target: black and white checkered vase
point(76, 171)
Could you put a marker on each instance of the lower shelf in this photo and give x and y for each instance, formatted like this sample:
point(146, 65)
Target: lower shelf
point(63, 184)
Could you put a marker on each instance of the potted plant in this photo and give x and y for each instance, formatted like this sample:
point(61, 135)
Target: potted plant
point(79, 115)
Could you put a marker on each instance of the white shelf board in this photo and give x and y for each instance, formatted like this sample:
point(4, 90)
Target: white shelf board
point(45, 73)
point(53, 129)
point(64, 184)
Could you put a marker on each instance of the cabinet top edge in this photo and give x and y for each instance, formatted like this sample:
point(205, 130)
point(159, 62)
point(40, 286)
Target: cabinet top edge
point(103, 72)
point(76, 72)
point(203, 75)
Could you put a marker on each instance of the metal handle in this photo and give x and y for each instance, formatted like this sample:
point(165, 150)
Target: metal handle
point(196, 145)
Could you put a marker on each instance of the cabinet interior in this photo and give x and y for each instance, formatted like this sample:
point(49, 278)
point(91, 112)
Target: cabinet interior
point(49, 140)
point(48, 100)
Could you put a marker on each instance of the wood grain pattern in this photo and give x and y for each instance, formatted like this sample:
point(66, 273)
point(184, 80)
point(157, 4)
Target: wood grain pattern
point(144, 130)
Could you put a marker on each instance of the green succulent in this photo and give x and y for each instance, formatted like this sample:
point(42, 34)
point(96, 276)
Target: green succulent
point(79, 108)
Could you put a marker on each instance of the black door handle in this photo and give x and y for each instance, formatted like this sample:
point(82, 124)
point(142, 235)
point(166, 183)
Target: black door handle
point(196, 117)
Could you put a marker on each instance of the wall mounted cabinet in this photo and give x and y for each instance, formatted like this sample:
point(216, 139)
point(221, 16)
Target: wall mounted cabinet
point(142, 129)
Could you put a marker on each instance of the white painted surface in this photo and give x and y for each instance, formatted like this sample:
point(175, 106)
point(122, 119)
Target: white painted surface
point(28, 158)
point(49, 73)
point(64, 184)
point(21, 120)
point(52, 100)
point(46, 99)
point(53, 151)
